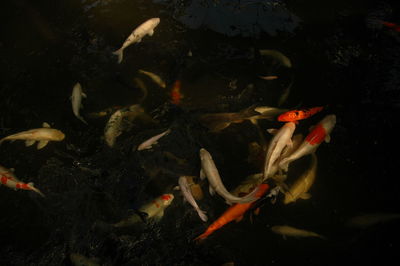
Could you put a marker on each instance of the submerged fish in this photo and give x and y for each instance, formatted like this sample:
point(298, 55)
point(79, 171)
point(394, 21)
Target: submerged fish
point(186, 191)
point(136, 36)
point(300, 188)
point(296, 115)
point(286, 230)
point(154, 77)
point(42, 135)
point(153, 210)
point(105, 112)
point(8, 179)
point(367, 220)
point(209, 170)
point(235, 212)
point(115, 124)
point(153, 140)
point(76, 100)
point(248, 185)
point(318, 134)
point(176, 94)
point(80, 260)
point(278, 56)
point(219, 121)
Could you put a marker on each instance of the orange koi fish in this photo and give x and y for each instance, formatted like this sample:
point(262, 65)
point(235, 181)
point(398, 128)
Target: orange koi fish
point(235, 212)
point(295, 115)
point(8, 179)
point(176, 94)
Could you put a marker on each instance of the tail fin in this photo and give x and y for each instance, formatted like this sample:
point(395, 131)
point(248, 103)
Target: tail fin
point(83, 120)
point(284, 164)
point(120, 55)
point(202, 215)
point(31, 185)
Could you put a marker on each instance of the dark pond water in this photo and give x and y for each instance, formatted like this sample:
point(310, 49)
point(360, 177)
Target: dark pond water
point(341, 57)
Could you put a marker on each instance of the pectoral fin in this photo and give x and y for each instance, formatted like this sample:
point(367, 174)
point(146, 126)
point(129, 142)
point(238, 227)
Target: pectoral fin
point(239, 219)
point(45, 125)
point(305, 196)
point(272, 131)
point(202, 174)
point(327, 138)
point(29, 142)
point(84, 95)
point(151, 32)
point(42, 144)
point(159, 215)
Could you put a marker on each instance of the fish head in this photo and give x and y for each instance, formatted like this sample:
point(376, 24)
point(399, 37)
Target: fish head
point(167, 199)
point(155, 21)
point(204, 155)
point(58, 135)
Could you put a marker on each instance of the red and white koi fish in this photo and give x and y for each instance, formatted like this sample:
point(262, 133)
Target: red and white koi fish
point(42, 135)
point(153, 140)
point(153, 210)
point(8, 179)
point(295, 115)
point(318, 134)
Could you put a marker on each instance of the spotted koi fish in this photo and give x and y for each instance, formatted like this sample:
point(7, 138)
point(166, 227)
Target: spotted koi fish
point(318, 134)
point(295, 115)
point(8, 179)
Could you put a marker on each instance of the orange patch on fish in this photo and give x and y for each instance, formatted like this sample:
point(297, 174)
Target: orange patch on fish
point(391, 25)
point(295, 115)
point(165, 197)
point(156, 203)
point(317, 135)
point(4, 180)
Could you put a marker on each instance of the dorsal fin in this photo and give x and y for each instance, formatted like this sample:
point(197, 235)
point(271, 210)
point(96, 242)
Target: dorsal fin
point(45, 124)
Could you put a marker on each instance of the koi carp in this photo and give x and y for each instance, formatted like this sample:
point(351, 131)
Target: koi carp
point(295, 115)
point(8, 179)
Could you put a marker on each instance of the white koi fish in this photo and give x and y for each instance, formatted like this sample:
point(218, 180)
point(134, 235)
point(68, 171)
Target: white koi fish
point(42, 135)
point(184, 186)
point(136, 36)
point(281, 140)
point(153, 140)
point(76, 100)
point(300, 188)
point(157, 79)
point(153, 210)
point(8, 179)
point(286, 230)
point(209, 170)
point(318, 134)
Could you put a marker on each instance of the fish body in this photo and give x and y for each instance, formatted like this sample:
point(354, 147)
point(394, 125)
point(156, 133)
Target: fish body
point(154, 77)
point(186, 191)
point(211, 172)
point(8, 179)
point(219, 121)
point(367, 220)
point(286, 230)
point(235, 212)
point(391, 25)
point(176, 94)
point(281, 140)
point(248, 185)
point(318, 134)
point(153, 140)
point(115, 124)
point(153, 210)
point(80, 260)
point(300, 188)
point(76, 100)
point(42, 135)
point(278, 56)
point(295, 115)
point(146, 28)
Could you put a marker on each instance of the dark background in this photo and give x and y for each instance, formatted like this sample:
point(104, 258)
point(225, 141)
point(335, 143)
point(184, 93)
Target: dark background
point(342, 57)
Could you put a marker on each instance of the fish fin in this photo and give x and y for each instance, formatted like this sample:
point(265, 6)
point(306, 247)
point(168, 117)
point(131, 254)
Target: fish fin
point(202, 174)
point(159, 215)
point(254, 121)
point(45, 124)
point(29, 142)
point(272, 131)
point(120, 54)
point(12, 170)
point(202, 215)
point(239, 219)
point(139, 40)
point(32, 186)
point(42, 144)
point(83, 120)
point(257, 211)
point(211, 190)
point(84, 95)
point(305, 196)
point(177, 188)
point(151, 32)
point(327, 138)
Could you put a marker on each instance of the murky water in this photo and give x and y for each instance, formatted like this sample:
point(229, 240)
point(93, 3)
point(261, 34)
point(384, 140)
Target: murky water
point(338, 60)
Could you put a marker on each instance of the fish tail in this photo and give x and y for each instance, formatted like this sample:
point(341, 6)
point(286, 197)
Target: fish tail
point(83, 120)
point(202, 215)
point(32, 187)
point(284, 164)
point(120, 54)
point(201, 237)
